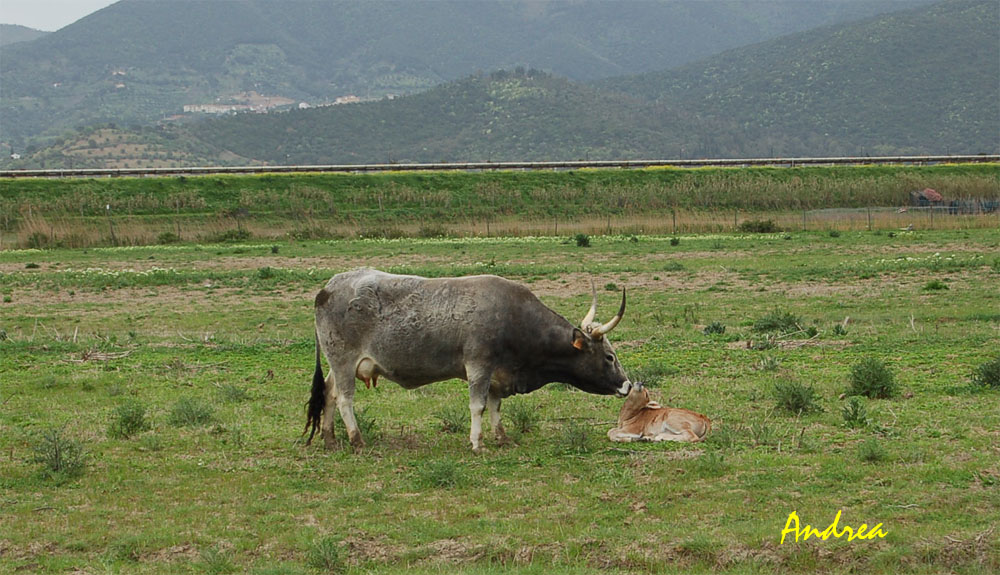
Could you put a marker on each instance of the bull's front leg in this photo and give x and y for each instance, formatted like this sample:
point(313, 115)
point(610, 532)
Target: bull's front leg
point(479, 387)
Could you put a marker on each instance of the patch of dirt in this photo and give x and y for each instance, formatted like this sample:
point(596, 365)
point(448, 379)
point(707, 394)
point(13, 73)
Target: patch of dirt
point(186, 552)
point(363, 548)
point(791, 343)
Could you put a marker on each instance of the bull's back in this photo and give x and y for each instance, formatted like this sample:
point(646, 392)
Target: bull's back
point(417, 330)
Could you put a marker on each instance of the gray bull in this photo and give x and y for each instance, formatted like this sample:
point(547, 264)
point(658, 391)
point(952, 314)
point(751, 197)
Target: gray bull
point(487, 330)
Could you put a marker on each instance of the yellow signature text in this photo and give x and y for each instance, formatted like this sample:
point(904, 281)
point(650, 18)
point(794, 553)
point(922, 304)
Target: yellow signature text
point(862, 532)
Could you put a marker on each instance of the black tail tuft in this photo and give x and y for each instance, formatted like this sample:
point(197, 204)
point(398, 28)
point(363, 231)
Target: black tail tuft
point(317, 399)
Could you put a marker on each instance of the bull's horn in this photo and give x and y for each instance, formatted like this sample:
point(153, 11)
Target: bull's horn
point(602, 330)
point(593, 309)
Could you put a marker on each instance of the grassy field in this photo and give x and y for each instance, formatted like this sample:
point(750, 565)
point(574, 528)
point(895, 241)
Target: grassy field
point(143, 211)
point(151, 401)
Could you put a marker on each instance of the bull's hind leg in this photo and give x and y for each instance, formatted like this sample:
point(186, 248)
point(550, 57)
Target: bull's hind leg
point(343, 381)
point(326, 427)
point(493, 403)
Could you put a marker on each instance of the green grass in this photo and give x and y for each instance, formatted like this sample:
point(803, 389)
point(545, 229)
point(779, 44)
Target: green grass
point(239, 492)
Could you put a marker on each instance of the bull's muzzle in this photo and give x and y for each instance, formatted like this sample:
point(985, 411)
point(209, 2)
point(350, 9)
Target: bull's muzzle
point(624, 389)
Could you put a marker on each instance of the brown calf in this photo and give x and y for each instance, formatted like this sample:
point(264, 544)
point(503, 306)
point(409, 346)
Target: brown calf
point(643, 420)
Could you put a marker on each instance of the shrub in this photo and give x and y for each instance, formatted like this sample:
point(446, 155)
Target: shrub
point(265, 273)
point(855, 413)
point(987, 375)
point(216, 562)
point(233, 393)
point(870, 377)
point(326, 556)
point(779, 321)
point(523, 417)
point(167, 238)
point(795, 397)
point(675, 241)
point(237, 235)
point(768, 363)
point(59, 456)
point(275, 249)
point(834, 234)
point(715, 328)
point(191, 412)
point(582, 240)
point(127, 420)
point(758, 227)
point(454, 419)
point(31, 266)
point(871, 451)
point(611, 286)
point(430, 230)
point(935, 285)
point(575, 438)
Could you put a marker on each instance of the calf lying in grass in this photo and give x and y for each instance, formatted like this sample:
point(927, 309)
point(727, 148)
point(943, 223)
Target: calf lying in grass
point(644, 420)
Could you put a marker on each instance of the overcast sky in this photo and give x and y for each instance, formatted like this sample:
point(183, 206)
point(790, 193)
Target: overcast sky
point(48, 15)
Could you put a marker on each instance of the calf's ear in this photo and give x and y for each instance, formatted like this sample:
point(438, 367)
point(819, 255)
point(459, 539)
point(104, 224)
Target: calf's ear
point(579, 339)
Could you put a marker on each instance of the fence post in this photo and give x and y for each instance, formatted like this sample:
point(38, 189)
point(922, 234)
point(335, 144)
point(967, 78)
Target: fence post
point(803, 220)
point(869, 219)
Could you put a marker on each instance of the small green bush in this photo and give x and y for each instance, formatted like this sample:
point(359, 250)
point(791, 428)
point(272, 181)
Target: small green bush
point(165, 238)
point(237, 235)
point(191, 412)
point(935, 285)
point(758, 227)
point(871, 451)
point(575, 438)
point(834, 234)
point(216, 562)
point(523, 417)
point(795, 397)
point(778, 321)
point(265, 273)
point(326, 555)
point(453, 418)
point(715, 328)
point(582, 240)
point(871, 378)
point(233, 393)
point(675, 241)
point(59, 456)
point(127, 420)
point(768, 363)
point(987, 375)
point(855, 413)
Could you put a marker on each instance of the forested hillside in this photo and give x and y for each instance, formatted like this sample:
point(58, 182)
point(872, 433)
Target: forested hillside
point(141, 61)
point(919, 81)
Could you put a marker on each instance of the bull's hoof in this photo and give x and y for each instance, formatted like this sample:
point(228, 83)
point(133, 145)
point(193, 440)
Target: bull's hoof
point(328, 442)
point(357, 444)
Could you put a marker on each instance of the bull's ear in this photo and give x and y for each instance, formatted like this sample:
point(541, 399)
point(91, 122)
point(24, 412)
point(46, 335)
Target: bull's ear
point(579, 339)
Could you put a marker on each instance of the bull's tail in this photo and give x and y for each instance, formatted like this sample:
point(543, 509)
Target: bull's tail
point(317, 399)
